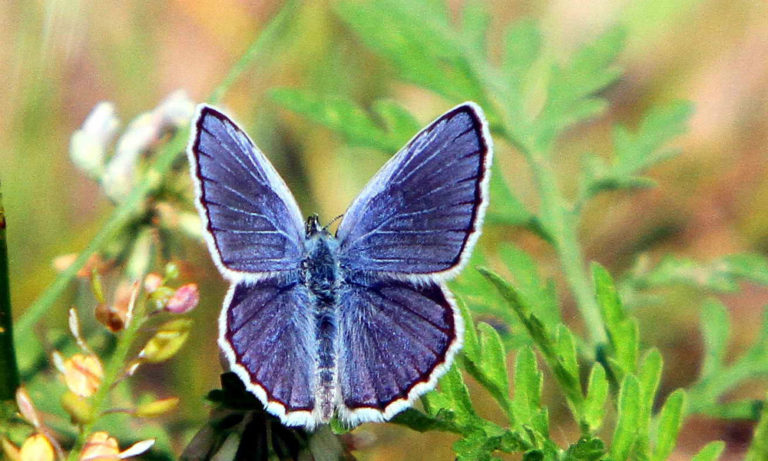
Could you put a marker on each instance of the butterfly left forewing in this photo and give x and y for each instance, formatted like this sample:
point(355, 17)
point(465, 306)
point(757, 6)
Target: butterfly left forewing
point(255, 234)
point(253, 225)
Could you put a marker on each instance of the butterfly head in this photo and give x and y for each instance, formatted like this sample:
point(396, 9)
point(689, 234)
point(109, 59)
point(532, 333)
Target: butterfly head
point(313, 226)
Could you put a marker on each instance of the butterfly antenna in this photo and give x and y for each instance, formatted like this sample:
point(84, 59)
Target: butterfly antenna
point(333, 221)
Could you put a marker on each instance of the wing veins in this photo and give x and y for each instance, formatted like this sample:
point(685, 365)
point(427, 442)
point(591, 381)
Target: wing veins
point(232, 154)
point(409, 331)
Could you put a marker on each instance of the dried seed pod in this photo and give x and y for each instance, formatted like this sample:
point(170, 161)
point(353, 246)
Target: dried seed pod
point(167, 341)
point(156, 408)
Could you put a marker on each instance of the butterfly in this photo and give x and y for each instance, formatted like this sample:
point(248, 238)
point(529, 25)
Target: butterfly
point(358, 324)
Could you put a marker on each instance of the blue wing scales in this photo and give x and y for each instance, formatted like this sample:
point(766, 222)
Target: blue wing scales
point(396, 338)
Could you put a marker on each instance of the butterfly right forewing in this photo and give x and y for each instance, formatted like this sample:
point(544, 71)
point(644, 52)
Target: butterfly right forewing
point(421, 213)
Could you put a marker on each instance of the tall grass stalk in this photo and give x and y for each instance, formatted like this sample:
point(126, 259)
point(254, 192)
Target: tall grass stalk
point(9, 372)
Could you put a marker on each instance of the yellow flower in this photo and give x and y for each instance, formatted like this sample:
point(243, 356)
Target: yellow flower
point(100, 446)
point(36, 448)
point(83, 374)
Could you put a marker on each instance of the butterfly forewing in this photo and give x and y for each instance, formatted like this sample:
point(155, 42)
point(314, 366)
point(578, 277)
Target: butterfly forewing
point(253, 222)
point(421, 213)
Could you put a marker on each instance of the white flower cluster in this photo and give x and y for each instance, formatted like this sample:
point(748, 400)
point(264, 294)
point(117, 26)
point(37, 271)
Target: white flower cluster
point(91, 143)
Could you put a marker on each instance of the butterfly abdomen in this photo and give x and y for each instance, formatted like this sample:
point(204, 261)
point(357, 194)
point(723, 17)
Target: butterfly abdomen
point(321, 275)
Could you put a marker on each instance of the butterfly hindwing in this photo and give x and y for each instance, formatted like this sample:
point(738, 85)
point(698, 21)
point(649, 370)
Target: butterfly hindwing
point(421, 213)
point(266, 332)
point(396, 338)
point(253, 222)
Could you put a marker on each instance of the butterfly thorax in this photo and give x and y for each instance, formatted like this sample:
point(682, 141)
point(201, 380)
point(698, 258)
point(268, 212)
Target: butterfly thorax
point(320, 266)
point(320, 270)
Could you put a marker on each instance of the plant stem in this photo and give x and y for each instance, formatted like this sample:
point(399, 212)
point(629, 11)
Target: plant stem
point(564, 227)
point(557, 219)
point(112, 372)
point(9, 371)
point(126, 211)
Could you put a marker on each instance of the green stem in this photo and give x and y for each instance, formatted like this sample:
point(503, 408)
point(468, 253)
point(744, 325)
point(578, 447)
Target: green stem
point(557, 219)
point(126, 211)
point(112, 373)
point(9, 371)
point(563, 226)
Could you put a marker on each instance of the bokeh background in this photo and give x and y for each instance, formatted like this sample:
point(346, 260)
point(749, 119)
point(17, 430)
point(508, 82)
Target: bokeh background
point(61, 57)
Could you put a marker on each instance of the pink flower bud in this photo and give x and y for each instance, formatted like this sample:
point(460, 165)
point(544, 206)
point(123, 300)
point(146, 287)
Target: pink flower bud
point(184, 299)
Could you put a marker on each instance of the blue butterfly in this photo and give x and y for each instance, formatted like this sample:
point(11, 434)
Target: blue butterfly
point(359, 324)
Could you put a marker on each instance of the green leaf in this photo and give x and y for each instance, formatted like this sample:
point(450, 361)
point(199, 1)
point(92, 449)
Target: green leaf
point(471, 348)
point(570, 95)
point(566, 351)
point(493, 363)
point(484, 301)
point(586, 449)
point(400, 124)
point(649, 376)
point(721, 275)
point(421, 422)
point(670, 422)
point(715, 327)
point(397, 30)
point(597, 393)
point(349, 120)
point(637, 152)
point(532, 324)
point(628, 421)
point(539, 297)
point(522, 47)
point(480, 445)
point(710, 452)
point(622, 331)
point(504, 207)
point(607, 296)
point(453, 388)
point(475, 20)
point(569, 383)
point(528, 381)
